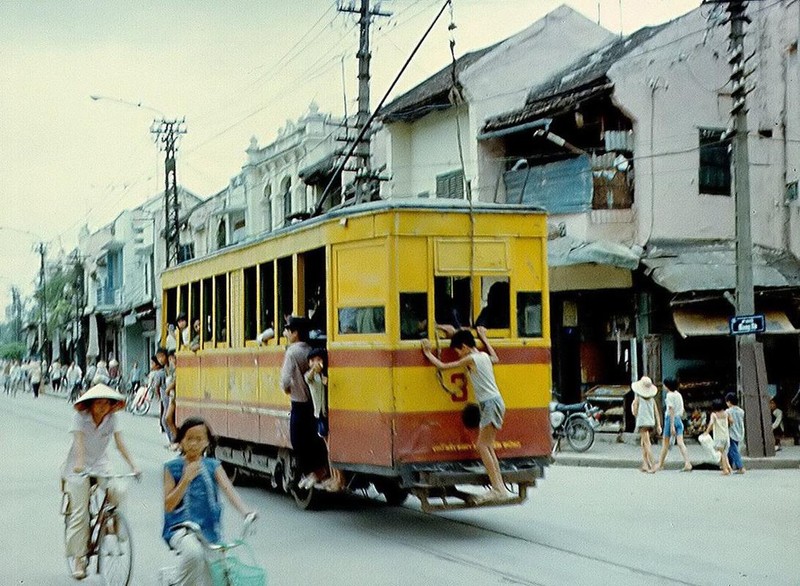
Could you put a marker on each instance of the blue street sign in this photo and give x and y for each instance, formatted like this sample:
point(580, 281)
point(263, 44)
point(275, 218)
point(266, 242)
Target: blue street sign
point(748, 324)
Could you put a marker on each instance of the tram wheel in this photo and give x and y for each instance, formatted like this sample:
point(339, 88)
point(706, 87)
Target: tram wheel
point(305, 499)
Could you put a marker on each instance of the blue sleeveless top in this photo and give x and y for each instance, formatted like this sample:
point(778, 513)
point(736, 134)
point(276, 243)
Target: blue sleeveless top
point(200, 502)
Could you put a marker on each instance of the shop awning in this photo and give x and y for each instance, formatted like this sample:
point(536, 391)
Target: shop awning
point(576, 265)
point(711, 266)
point(693, 322)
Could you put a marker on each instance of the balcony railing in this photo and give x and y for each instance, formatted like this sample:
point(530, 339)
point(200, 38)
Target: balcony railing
point(109, 297)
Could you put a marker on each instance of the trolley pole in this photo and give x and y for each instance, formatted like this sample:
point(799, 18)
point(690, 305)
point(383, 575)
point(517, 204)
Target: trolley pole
point(43, 301)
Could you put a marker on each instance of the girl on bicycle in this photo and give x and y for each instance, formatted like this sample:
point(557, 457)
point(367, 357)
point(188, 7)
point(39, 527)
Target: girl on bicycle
point(191, 493)
point(92, 428)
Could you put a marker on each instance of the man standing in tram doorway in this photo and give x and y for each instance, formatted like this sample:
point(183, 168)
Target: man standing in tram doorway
point(302, 425)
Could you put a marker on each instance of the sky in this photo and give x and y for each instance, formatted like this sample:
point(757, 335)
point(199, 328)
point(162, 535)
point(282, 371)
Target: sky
point(234, 70)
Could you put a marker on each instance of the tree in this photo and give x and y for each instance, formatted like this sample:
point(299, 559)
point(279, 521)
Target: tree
point(12, 351)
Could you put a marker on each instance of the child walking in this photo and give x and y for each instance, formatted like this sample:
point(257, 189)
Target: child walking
point(647, 418)
point(718, 427)
point(490, 402)
point(191, 493)
point(673, 424)
point(736, 415)
point(93, 426)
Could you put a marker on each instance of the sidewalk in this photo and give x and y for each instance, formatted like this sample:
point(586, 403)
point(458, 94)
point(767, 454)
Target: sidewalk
point(608, 453)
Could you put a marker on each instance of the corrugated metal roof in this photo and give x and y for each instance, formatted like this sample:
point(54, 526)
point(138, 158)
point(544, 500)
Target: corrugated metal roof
point(432, 94)
point(566, 251)
point(584, 79)
point(711, 266)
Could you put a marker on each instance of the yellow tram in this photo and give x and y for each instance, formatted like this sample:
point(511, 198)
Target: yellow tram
point(374, 279)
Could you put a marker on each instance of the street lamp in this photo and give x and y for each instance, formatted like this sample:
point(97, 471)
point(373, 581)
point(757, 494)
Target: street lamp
point(140, 105)
point(167, 132)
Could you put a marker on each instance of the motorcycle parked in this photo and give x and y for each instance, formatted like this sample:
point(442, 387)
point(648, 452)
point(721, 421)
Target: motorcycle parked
point(576, 422)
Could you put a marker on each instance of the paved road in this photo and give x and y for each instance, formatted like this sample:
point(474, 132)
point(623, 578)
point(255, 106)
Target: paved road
point(581, 526)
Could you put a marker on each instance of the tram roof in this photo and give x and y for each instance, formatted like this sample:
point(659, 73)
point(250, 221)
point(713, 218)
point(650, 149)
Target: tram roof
point(373, 207)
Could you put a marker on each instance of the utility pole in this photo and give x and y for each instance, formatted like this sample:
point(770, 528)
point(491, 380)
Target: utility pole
point(16, 308)
point(168, 132)
point(364, 175)
point(751, 377)
point(43, 300)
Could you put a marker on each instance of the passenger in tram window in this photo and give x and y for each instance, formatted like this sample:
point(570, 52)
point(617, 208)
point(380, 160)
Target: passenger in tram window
point(182, 334)
point(194, 344)
point(316, 314)
point(480, 370)
point(370, 320)
point(347, 320)
point(307, 445)
point(498, 307)
point(447, 319)
point(413, 316)
point(172, 338)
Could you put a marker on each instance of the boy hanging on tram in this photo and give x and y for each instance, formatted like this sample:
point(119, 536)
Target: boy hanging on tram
point(490, 402)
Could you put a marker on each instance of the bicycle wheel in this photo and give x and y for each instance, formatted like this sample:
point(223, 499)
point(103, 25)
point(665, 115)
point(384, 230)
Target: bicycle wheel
point(580, 434)
point(142, 408)
point(115, 551)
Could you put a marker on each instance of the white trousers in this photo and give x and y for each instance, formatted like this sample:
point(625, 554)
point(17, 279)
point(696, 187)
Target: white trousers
point(192, 566)
point(77, 490)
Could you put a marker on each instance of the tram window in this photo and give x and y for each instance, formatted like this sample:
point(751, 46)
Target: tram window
point(267, 296)
point(221, 308)
point(362, 320)
point(171, 309)
point(170, 305)
point(285, 288)
point(183, 301)
point(496, 300)
point(413, 315)
point(529, 314)
point(208, 295)
point(250, 304)
point(452, 297)
point(314, 294)
point(194, 312)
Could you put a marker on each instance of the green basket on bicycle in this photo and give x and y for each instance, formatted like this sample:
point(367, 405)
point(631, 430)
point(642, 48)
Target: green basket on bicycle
point(232, 571)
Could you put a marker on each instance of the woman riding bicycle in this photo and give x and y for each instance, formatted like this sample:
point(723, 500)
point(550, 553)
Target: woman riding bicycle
point(191, 493)
point(92, 428)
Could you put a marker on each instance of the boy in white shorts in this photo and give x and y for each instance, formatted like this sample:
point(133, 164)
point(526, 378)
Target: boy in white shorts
point(492, 409)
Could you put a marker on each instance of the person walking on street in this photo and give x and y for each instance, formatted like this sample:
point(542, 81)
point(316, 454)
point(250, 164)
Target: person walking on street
point(673, 424)
point(777, 423)
point(736, 431)
point(35, 372)
point(73, 378)
point(719, 426)
point(647, 418)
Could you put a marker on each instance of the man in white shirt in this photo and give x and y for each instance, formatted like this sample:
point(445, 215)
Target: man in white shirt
point(673, 424)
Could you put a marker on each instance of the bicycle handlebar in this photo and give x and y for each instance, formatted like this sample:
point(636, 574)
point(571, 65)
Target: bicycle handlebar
point(195, 528)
